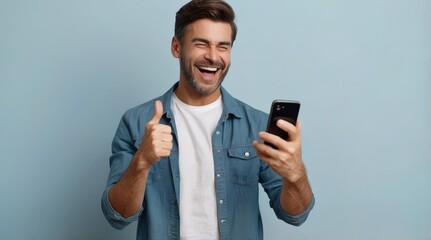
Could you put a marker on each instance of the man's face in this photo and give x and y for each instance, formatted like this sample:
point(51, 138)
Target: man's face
point(204, 55)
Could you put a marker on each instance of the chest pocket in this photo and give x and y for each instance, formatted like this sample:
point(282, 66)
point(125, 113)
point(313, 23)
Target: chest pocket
point(243, 165)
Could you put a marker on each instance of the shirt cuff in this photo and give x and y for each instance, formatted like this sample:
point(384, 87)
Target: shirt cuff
point(114, 218)
point(295, 220)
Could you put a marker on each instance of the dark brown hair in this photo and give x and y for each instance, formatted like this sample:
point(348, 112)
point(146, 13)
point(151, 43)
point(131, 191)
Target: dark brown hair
point(215, 10)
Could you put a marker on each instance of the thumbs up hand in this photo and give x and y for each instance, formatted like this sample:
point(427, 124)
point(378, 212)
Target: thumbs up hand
point(157, 140)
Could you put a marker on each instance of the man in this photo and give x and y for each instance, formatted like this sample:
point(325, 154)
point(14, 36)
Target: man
point(187, 164)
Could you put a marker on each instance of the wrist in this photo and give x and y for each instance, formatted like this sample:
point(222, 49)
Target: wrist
point(295, 178)
point(140, 165)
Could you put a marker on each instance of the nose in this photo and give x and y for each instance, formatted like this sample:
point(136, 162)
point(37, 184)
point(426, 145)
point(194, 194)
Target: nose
point(212, 54)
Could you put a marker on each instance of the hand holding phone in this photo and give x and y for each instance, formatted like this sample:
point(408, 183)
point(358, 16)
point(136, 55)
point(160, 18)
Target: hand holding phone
point(287, 110)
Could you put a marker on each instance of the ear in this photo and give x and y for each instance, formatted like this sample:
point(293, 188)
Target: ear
point(175, 47)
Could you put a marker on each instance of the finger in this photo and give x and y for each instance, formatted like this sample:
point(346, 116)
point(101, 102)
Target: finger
point(164, 137)
point(158, 112)
point(272, 139)
point(165, 153)
point(289, 128)
point(167, 146)
point(263, 150)
point(164, 146)
point(266, 153)
point(160, 148)
point(165, 141)
point(160, 140)
point(298, 129)
point(160, 128)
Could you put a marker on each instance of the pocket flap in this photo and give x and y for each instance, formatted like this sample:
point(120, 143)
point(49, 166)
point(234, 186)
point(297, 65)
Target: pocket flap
point(243, 153)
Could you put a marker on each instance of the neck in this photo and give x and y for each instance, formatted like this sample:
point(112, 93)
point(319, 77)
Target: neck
point(191, 97)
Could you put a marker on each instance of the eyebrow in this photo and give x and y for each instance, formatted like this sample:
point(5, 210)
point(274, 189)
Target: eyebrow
point(225, 43)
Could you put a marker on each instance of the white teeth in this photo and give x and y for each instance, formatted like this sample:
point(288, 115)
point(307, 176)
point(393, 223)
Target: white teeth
point(209, 69)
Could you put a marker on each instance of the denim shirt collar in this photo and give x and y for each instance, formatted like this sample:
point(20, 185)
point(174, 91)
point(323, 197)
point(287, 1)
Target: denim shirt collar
point(230, 106)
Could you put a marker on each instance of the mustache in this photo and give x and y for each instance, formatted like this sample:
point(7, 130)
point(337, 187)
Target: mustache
point(209, 63)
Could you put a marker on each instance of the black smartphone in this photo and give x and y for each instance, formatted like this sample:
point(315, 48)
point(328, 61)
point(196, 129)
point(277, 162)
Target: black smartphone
point(282, 109)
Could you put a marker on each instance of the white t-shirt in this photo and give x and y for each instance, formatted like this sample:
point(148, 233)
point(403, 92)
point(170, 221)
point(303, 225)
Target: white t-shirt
point(198, 205)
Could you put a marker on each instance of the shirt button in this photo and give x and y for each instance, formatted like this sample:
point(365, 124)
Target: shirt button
point(218, 175)
point(222, 221)
point(218, 132)
point(218, 150)
point(247, 154)
point(221, 201)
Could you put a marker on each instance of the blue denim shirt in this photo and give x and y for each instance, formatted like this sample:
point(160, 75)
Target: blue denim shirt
point(238, 170)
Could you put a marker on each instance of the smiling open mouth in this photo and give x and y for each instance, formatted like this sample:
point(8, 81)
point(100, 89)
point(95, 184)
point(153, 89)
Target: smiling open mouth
point(210, 70)
point(208, 73)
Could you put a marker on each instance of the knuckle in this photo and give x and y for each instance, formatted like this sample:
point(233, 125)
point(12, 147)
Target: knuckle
point(154, 143)
point(153, 133)
point(165, 128)
point(284, 158)
point(291, 150)
point(151, 126)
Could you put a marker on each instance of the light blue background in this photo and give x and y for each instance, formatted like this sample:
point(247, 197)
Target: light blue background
point(362, 70)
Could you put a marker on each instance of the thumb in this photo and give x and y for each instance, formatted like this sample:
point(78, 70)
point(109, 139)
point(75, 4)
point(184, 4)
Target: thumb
point(158, 112)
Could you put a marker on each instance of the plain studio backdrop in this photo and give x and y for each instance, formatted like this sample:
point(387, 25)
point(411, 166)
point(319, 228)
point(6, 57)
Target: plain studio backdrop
point(361, 69)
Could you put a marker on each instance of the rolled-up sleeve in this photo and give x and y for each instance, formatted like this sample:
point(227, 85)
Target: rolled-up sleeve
point(272, 184)
point(114, 218)
point(295, 220)
point(123, 149)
